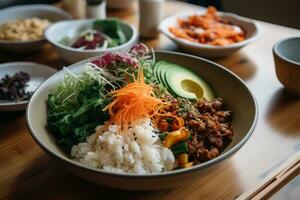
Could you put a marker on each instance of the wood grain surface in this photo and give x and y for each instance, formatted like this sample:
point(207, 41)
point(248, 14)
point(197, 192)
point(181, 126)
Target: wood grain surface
point(26, 172)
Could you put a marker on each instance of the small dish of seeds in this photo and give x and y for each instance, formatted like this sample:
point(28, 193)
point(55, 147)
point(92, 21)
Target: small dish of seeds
point(18, 81)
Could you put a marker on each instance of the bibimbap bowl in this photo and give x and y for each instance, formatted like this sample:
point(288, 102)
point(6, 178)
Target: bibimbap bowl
point(234, 92)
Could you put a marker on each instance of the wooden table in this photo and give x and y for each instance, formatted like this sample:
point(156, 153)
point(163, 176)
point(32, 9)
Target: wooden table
point(27, 172)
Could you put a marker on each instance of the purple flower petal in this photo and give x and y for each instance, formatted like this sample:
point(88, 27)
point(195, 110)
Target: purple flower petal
point(105, 60)
point(139, 50)
point(126, 58)
point(119, 58)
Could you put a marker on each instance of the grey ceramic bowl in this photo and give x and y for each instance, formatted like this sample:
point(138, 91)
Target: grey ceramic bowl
point(72, 28)
point(51, 13)
point(287, 63)
point(232, 89)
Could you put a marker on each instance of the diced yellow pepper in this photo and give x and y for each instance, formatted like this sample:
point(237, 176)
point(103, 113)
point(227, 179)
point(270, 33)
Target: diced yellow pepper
point(175, 137)
point(187, 165)
point(183, 159)
point(185, 134)
point(172, 138)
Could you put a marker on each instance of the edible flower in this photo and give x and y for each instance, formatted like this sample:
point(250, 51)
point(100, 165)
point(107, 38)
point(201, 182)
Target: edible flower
point(139, 50)
point(112, 59)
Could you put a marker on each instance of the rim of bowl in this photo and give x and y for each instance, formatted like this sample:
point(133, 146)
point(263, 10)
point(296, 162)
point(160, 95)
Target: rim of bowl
point(56, 43)
point(162, 174)
point(2, 104)
point(22, 42)
point(257, 34)
point(276, 52)
point(34, 7)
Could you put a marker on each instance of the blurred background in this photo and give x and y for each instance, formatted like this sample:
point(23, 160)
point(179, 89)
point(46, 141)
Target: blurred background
point(275, 11)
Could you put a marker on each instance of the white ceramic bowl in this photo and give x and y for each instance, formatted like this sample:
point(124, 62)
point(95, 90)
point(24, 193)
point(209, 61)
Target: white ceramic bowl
point(72, 28)
point(38, 74)
point(51, 13)
point(227, 85)
point(253, 31)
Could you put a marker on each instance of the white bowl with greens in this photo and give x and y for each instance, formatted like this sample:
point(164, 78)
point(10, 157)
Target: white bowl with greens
point(75, 40)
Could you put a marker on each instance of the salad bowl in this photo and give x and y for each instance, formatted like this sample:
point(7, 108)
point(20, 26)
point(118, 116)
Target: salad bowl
point(56, 33)
point(232, 89)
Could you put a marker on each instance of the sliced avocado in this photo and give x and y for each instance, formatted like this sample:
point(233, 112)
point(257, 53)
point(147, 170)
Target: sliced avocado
point(164, 67)
point(187, 84)
point(160, 70)
point(156, 66)
point(182, 82)
point(156, 71)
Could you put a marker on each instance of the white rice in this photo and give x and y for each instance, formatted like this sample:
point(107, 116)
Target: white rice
point(138, 150)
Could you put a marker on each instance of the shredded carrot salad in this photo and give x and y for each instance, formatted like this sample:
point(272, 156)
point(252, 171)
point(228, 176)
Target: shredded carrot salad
point(208, 29)
point(134, 101)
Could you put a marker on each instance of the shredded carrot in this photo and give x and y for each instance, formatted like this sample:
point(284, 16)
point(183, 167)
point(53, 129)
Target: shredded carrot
point(136, 101)
point(178, 123)
point(159, 120)
point(133, 102)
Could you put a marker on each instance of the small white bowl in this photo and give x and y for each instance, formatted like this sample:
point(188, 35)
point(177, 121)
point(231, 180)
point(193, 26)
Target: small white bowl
point(72, 28)
point(38, 74)
point(253, 31)
point(51, 13)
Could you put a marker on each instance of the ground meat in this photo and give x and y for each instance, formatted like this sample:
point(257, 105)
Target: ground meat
point(215, 140)
point(223, 116)
point(212, 153)
point(209, 106)
point(198, 126)
point(226, 129)
point(200, 154)
point(210, 126)
point(208, 122)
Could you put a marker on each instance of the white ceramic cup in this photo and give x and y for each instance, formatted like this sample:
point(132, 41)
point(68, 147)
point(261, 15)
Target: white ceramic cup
point(96, 11)
point(77, 8)
point(151, 13)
